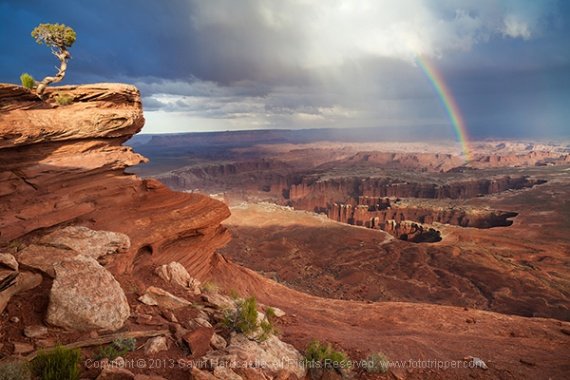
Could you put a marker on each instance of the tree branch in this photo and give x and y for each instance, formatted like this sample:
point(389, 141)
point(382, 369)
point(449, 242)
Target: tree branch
point(106, 339)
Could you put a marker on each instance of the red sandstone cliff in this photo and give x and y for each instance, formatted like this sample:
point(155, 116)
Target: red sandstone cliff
point(65, 164)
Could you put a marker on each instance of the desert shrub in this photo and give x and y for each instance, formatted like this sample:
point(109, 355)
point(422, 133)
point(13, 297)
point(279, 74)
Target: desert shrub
point(15, 371)
point(57, 364)
point(323, 355)
point(270, 313)
point(267, 330)
point(63, 99)
point(119, 347)
point(244, 319)
point(27, 81)
point(210, 287)
point(376, 363)
point(234, 295)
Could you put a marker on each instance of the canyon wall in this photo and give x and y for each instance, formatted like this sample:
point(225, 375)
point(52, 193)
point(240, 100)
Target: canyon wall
point(64, 164)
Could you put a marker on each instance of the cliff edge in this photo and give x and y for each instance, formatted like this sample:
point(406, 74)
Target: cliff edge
point(62, 163)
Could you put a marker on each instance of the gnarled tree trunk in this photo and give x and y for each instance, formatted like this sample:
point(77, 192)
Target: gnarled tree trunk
point(63, 56)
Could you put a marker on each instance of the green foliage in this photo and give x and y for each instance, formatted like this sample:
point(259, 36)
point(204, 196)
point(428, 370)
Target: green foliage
point(15, 371)
point(210, 287)
point(267, 330)
point(118, 348)
point(324, 355)
point(270, 313)
point(63, 99)
point(234, 295)
point(57, 364)
point(27, 81)
point(377, 363)
point(57, 36)
point(244, 319)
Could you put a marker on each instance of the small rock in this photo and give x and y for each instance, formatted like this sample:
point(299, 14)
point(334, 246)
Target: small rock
point(118, 362)
point(476, 362)
point(15, 320)
point(278, 312)
point(22, 348)
point(219, 301)
point(198, 374)
point(93, 334)
point(22, 281)
point(155, 345)
point(174, 273)
point(159, 297)
point(8, 261)
point(218, 342)
point(169, 316)
point(527, 362)
point(148, 300)
point(203, 322)
point(145, 377)
point(114, 373)
point(44, 343)
point(223, 372)
point(199, 341)
point(35, 331)
point(203, 314)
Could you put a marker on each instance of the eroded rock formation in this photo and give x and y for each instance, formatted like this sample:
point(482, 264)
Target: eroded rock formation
point(62, 164)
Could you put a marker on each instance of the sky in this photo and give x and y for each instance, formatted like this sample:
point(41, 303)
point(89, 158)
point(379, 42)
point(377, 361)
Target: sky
point(209, 65)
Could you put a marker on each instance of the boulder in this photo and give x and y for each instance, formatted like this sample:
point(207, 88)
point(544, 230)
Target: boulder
point(88, 242)
point(159, 297)
point(155, 345)
point(44, 258)
point(85, 296)
point(198, 341)
point(278, 357)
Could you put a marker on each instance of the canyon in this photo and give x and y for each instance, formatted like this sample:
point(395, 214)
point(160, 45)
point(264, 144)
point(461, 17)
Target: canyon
point(296, 224)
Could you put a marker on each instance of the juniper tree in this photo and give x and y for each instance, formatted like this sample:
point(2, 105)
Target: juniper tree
point(59, 38)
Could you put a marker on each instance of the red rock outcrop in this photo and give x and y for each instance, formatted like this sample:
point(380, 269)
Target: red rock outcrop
point(62, 164)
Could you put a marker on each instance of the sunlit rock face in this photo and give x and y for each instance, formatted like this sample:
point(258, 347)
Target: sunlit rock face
point(62, 164)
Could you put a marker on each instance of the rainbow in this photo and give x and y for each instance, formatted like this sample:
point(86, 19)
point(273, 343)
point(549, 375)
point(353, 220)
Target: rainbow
point(448, 102)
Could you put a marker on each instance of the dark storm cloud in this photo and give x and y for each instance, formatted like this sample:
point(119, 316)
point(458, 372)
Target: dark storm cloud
point(298, 63)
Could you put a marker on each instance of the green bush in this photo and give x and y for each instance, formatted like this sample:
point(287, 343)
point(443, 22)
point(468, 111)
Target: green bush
point(323, 355)
point(58, 364)
point(15, 371)
point(377, 363)
point(244, 319)
point(27, 81)
point(118, 348)
point(63, 99)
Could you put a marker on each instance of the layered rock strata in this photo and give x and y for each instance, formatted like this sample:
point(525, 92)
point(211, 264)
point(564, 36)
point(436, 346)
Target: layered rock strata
point(62, 164)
